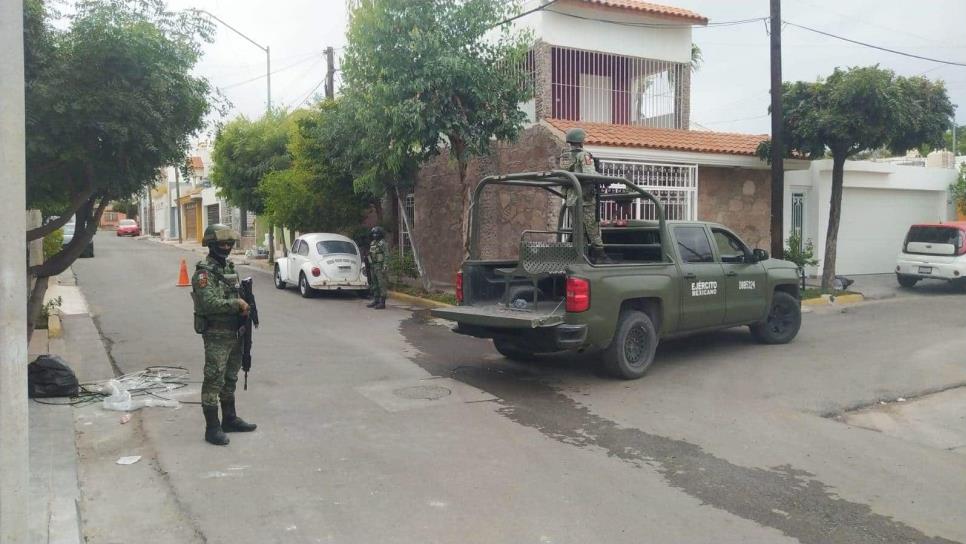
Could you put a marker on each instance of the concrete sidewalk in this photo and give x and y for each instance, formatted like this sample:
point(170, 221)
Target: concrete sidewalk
point(54, 489)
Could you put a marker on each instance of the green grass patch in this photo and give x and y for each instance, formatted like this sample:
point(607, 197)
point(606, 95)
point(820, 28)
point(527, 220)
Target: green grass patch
point(437, 296)
point(816, 292)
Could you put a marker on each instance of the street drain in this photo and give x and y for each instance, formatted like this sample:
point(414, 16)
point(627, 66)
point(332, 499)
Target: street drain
point(423, 392)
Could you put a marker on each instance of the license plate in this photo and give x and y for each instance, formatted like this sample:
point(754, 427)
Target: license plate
point(925, 270)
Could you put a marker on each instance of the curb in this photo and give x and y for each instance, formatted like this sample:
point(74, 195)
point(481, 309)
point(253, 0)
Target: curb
point(54, 327)
point(418, 300)
point(827, 300)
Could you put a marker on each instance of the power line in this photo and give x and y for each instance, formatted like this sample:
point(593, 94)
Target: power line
point(534, 10)
point(310, 93)
point(952, 63)
point(263, 76)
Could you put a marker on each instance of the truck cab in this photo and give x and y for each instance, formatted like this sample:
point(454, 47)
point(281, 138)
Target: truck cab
point(661, 279)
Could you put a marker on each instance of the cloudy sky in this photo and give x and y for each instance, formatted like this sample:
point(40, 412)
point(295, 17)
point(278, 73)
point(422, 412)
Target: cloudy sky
point(730, 91)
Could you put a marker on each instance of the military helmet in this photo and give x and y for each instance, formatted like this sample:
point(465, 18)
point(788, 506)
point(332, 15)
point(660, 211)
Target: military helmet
point(219, 233)
point(576, 136)
point(377, 232)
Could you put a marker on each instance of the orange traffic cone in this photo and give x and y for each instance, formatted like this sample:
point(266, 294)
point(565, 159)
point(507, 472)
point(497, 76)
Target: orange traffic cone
point(183, 280)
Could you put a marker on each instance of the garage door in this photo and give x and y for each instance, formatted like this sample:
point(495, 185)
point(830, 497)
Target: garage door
point(874, 223)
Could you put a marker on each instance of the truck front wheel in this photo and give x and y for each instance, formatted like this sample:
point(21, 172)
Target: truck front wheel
point(783, 321)
point(510, 350)
point(632, 350)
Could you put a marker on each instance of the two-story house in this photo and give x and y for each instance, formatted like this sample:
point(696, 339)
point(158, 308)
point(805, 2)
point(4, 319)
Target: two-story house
point(621, 70)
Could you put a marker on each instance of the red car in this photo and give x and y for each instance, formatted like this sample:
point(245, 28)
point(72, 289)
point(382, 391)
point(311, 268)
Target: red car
point(128, 227)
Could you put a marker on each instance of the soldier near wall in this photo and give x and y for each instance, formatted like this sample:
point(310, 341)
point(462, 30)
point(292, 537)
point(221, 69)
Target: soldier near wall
point(378, 269)
point(575, 159)
point(219, 313)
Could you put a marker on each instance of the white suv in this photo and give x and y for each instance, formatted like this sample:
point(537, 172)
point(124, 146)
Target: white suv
point(933, 251)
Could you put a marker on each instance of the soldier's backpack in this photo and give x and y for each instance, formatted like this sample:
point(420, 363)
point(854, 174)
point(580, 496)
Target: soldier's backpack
point(49, 376)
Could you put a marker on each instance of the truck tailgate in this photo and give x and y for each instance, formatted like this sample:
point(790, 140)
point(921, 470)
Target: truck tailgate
point(497, 315)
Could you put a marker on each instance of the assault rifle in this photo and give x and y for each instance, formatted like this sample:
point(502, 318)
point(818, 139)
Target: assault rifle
point(249, 322)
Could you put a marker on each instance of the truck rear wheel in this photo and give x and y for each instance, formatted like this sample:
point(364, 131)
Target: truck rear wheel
point(783, 321)
point(632, 350)
point(510, 350)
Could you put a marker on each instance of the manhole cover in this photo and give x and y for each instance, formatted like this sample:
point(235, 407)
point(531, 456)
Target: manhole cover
point(423, 392)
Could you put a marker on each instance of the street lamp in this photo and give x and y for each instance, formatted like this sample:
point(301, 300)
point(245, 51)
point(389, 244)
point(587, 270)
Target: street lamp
point(268, 102)
point(266, 49)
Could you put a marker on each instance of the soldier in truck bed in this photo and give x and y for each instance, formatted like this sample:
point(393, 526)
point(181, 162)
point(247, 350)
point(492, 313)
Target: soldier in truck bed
point(575, 159)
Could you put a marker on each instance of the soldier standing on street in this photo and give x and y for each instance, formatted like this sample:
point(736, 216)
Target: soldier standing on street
point(575, 159)
point(219, 313)
point(377, 265)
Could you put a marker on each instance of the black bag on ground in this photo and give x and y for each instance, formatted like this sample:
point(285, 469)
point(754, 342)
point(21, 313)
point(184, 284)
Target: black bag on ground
point(49, 376)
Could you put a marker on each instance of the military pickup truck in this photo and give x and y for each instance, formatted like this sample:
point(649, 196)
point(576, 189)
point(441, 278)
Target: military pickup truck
point(661, 279)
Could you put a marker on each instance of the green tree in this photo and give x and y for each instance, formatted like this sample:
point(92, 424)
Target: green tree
point(433, 75)
point(110, 99)
point(245, 152)
point(316, 192)
point(854, 110)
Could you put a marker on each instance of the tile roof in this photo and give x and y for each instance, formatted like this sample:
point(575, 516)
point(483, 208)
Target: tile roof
point(664, 138)
point(196, 163)
point(652, 9)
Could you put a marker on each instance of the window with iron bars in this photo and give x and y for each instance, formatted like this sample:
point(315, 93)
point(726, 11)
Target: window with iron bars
point(675, 185)
point(409, 209)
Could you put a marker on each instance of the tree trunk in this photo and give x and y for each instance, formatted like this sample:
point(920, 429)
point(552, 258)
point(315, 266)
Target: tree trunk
point(271, 242)
point(76, 202)
point(458, 148)
point(834, 215)
point(35, 303)
point(87, 222)
point(281, 231)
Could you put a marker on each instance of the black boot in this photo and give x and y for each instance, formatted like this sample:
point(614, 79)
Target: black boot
point(375, 301)
point(213, 433)
point(231, 423)
point(380, 304)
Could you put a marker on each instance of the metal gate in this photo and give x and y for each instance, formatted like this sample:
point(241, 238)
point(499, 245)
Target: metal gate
point(675, 185)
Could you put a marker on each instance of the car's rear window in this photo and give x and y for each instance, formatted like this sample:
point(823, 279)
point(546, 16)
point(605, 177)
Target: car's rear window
point(335, 246)
point(127, 223)
point(934, 235)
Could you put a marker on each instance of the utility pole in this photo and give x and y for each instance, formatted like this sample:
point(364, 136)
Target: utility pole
point(177, 191)
point(777, 138)
point(14, 445)
point(329, 73)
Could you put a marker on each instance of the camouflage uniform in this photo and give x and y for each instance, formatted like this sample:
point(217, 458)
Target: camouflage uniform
point(582, 162)
point(377, 260)
point(216, 300)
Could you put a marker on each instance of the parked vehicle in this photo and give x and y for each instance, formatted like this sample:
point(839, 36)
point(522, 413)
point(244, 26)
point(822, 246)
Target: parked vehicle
point(69, 235)
point(663, 279)
point(933, 251)
point(322, 262)
point(128, 227)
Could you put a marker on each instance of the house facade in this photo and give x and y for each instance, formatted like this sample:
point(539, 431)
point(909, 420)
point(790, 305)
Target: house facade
point(621, 70)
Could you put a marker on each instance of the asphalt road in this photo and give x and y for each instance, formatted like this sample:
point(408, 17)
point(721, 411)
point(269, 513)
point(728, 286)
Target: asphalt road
point(723, 441)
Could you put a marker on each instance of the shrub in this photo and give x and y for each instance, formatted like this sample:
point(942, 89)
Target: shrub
point(53, 243)
point(801, 254)
point(401, 265)
point(958, 190)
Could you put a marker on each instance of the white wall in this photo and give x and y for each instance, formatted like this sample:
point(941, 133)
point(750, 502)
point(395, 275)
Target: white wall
point(884, 196)
point(670, 44)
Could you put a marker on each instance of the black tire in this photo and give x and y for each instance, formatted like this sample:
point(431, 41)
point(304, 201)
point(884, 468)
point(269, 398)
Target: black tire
point(279, 284)
point(783, 321)
point(513, 352)
point(632, 349)
point(907, 281)
point(304, 288)
point(364, 293)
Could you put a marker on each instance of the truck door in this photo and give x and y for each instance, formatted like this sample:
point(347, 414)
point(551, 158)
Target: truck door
point(702, 294)
point(745, 281)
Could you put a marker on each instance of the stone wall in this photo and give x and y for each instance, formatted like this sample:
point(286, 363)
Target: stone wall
point(738, 198)
point(505, 213)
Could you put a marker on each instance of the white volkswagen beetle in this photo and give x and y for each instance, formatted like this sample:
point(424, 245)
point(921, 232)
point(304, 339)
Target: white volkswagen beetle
point(322, 261)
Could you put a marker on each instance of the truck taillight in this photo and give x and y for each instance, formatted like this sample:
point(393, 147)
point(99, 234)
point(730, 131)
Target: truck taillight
point(459, 287)
point(578, 294)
